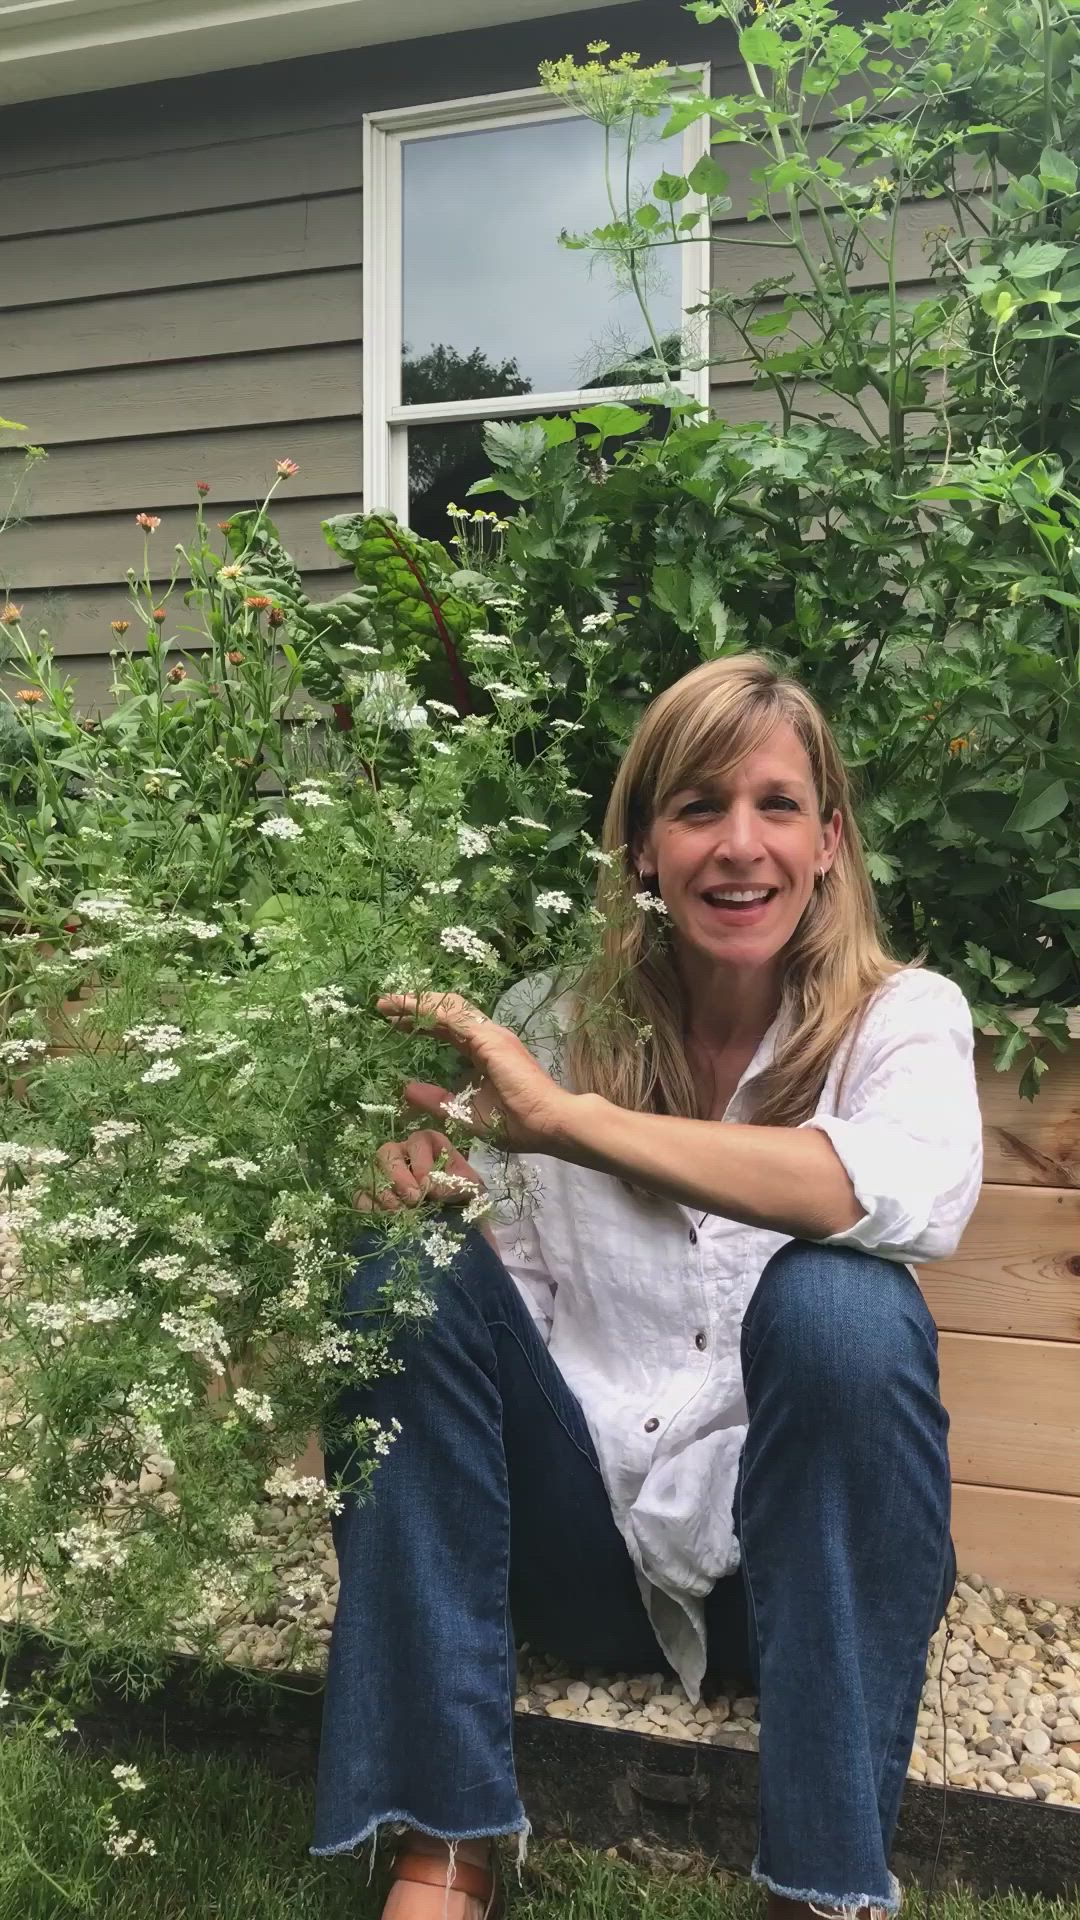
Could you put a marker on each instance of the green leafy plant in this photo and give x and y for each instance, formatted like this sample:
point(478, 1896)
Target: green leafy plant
point(901, 528)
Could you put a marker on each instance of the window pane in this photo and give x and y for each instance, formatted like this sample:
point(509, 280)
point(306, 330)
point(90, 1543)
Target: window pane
point(444, 462)
point(492, 303)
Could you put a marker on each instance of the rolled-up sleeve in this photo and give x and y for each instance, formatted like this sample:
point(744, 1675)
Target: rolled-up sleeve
point(908, 1131)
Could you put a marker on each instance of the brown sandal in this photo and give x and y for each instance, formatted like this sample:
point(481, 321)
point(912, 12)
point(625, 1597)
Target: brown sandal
point(477, 1883)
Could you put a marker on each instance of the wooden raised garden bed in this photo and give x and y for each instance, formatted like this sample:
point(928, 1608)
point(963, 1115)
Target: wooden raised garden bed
point(1008, 1310)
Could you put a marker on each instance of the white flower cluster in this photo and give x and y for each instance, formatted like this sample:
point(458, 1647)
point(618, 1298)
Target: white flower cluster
point(554, 902)
point(19, 1052)
point(523, 820)
point(232, 1163)
point(258, 1405)
point(166, 1267)
point(199, 1334)
point(155, 1039)
point(464, 940)
point(178, 1152)
point(472, 841)
point(381, 1438)
point(441, 886)
point(333, 1348)
point(649, 903)
point(129, 1779)
point(222, 1047)
point(386, 700)
point(104, 1223)
point(459, 1106)
point(500, 691)
point(284, 1484)
point(216, 1280)
point(280, 827)
point(440, 1246)
point(161, 1071)
point(13, 1154)
point(121, 1845)
point(595, 622)
point(93, 1548)
point(325, 1001)
point(109, 1133)
point(443, 707)
point(62, 1316)
point(312, 793)
point(601, 858)
point(490, 642)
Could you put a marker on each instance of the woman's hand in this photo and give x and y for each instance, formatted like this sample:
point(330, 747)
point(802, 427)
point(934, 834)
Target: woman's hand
point(510, 1101)
point(409, 1164)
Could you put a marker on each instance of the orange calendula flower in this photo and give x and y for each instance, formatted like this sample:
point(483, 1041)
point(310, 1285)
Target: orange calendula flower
point(235, 657)
point(258, 602)
point(176, 674)
point(287, 469)
point(224, 526)
point(159, 616)
point(150, 522)
point(957, 746)
point(30, 696)
point(120, 626)
point(10, 615)
point(275, 617)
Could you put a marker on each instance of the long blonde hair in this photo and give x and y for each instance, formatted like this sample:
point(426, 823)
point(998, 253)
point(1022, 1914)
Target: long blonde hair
point(628, 1042)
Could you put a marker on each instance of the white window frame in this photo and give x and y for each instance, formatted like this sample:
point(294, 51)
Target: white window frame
point(386, 420)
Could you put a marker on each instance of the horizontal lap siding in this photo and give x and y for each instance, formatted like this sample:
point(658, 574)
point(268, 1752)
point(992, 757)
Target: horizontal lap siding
point(181, 291)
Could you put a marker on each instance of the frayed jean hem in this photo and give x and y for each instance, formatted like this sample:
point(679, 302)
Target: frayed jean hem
point(398, 1819)
point(828, 1904)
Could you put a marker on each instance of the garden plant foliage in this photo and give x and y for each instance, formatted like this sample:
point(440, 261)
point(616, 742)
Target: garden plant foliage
point(208, 884)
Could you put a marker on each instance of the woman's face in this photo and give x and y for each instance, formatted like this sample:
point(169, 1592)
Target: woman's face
point(737, 859)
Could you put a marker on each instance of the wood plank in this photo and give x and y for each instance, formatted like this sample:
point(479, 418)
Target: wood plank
point(185, 323)
point(279, 166)
point(1025, 1542)
point(237, 462)
point(78, 621)
point(1031, 1142)
point(194, 249)
point(301, 383)
point(1017, 1270)
point(1015, 1407)
point(96, 549)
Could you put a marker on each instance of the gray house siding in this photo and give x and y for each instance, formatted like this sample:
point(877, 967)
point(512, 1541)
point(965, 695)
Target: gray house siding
point(181, 295)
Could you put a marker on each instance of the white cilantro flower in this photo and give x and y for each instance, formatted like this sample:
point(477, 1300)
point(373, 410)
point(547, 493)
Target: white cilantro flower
point(280, 827)
point(554, 902)
point(464, 940)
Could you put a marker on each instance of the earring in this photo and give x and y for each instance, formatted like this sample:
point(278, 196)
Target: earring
point(821, 873)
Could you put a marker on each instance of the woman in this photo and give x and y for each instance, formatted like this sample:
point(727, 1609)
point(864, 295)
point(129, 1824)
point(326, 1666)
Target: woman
point(687, 1408)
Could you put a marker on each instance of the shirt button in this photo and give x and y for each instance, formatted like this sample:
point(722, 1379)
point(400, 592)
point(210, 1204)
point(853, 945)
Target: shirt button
point(693, 1236)
point(700, 1342)
point(651, 1425)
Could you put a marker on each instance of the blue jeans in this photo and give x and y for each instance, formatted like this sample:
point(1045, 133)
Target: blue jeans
point(490, 1508)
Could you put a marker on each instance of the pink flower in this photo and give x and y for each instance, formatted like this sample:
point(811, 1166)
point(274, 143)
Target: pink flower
point(287, 469)
point(150, 522)
point(202, 486)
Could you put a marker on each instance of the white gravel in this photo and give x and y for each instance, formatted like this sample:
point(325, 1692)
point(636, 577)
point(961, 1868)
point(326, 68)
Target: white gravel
point(1011, 1679)
point(1011, 1692)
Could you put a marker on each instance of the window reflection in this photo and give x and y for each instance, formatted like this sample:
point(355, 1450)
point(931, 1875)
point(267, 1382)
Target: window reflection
point(444, 462)
point(489, 294)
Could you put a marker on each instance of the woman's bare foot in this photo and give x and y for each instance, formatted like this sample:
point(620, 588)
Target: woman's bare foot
point(410, 1900)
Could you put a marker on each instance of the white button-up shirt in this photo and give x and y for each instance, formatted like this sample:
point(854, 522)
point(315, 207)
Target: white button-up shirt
point(642, 1304)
